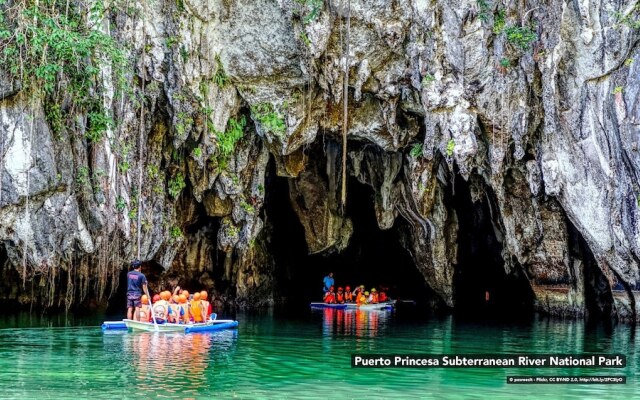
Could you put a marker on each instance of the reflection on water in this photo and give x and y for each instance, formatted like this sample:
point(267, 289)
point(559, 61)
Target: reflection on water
point(304, 355)
point(359, 323)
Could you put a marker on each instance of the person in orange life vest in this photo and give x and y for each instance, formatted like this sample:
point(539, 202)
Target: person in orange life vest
point(362, 298)
point(206, 306)
point(340, 296)
point(195, 308)
point(184, 309)
point(357, 291)
point(382, 297)
point(348, 296)
point(161, 307)
point(330, 296)
point(174, 309)
point(145, 315)
point(373, 297)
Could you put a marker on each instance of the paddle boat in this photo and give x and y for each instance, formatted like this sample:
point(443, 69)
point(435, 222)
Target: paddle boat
point(209, 326)
point(387, 305)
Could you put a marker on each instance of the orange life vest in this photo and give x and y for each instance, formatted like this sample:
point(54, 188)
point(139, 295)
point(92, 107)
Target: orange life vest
point(348, 296)
point(329, 298)
point(196, 311)
point(361, 299)
point(374, 298)
point(340, 297)
point(382, 297)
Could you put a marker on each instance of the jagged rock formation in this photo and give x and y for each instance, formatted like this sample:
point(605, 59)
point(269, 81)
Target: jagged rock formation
point(535, 104)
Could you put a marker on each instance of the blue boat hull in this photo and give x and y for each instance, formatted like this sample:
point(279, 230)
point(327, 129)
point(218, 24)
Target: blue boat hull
point(120, 325)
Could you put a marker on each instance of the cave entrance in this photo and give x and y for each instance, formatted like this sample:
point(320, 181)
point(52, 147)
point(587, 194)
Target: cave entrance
point(374, 257)
point(480, 281)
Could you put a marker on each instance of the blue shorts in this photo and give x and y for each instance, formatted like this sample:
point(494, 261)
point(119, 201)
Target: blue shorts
point(133, 300)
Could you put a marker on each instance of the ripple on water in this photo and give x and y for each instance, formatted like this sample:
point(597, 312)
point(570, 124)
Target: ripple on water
point(306, 357)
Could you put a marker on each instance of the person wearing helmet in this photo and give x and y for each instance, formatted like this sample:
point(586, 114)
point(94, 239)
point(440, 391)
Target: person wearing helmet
point(382, 297)
point(357, 291)
point(195, 308)
point(348, 296)
point(340, 296)
point(160, 308)
point(184, 308)
point(206, 306)
point(330, 296)
point(373, 297)
point(362, 298)
point(136, 286)
point(145, 315)
point(174, 309)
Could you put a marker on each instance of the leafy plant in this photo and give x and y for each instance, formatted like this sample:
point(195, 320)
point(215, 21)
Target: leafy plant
point(98, 123)
point(314, 6)
point(175, 232)
point(120, 204)
point(521, 37)
point(247, 207)
point(451, 144)
point(123, 167)
point(305, 38)
point(220, 78)
point(483, 10)
point(270, 120)
point(153, 171)
point(82, 177)
point(499, 21)
point(176, 185)
point(197, 152)
point(428, 79)
point(228, 139)
point(51, 46)
point(53, 114)
point(505, 63)
point(416, 150)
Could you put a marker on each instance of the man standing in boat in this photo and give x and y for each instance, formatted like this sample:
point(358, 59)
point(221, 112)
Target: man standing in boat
point(136, 285)
point(328, 282)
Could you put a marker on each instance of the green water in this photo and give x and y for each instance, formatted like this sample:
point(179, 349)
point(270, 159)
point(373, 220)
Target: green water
point(301, 356)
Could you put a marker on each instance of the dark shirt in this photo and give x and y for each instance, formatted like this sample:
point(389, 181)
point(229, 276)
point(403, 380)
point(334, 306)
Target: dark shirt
point(135, 280)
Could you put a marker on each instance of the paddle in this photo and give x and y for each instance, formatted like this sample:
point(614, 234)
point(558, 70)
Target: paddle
point(155, 324)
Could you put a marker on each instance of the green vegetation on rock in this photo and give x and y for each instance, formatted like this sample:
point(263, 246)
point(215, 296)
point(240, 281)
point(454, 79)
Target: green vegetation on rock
point(451, 145)
point(270, 120)
point(176, 185)
point(416, 150)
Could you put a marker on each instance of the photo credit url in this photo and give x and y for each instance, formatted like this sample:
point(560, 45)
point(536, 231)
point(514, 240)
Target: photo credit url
point(568, 361)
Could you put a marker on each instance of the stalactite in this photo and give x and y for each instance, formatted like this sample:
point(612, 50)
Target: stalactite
point(345, 112)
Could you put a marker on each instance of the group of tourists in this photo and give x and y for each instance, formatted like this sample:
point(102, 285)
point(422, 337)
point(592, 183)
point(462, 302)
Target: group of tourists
point(179, 307)
point(344, 295)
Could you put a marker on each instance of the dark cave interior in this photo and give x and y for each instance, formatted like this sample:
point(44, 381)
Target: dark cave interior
point(374, 257)
point(480, 281)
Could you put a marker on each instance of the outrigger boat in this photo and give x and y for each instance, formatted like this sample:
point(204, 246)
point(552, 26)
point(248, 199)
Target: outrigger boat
point(211, 325)
point(387, 305)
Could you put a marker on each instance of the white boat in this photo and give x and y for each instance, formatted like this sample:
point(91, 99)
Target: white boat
point(387, 305)
point(211, 325)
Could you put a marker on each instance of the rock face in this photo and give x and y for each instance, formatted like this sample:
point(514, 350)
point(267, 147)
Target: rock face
point(535, 105)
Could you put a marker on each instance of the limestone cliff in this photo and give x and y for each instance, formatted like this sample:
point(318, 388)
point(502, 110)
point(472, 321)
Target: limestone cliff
point(534, 104)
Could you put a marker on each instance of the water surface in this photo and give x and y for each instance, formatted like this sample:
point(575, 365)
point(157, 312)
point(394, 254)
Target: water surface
point(302, 355)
